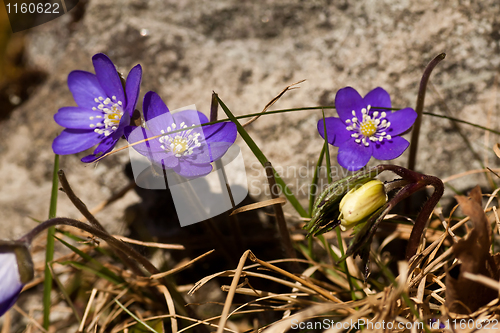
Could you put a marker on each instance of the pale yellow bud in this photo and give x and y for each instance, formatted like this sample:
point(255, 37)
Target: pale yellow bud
point(358, 204)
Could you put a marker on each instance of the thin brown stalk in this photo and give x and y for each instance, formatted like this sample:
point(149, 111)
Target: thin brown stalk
point(280, 218)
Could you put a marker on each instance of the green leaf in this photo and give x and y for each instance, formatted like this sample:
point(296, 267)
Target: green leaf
point(103, 271)
point(146, 326)
point(49, 250)
point(84, 267)
point(314, 183)
point(263, 160)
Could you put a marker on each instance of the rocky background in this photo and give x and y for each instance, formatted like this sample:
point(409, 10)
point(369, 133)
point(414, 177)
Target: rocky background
point(247, 52)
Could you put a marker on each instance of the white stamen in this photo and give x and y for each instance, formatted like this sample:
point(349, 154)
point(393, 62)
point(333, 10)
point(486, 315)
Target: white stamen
point(370, 128)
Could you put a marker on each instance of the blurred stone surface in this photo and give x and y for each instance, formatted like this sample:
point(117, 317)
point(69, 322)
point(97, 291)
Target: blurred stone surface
point(248, 52)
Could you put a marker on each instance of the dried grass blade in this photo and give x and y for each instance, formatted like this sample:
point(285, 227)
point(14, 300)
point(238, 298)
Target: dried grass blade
point(230, 294)
point(320, 291)
point(274, 100)
point(178, 269)
point(30, 318)
point(171, 307)
point(258, 205)
point(496, 149)
point(87, 310)
point(150, 244)
point(489, 282)
point(285, 324)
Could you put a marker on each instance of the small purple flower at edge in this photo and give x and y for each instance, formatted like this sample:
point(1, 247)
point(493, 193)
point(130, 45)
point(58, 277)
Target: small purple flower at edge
point(364, 130)
point(16, 269)
point(188, 153)
point(103, 111)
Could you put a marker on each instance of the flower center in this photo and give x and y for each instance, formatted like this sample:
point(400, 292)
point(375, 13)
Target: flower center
point(112, 112)
point(368, 128)
point(373, 127)
point(182, 143)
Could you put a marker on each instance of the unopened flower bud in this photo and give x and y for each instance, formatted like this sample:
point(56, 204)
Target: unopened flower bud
point(358, 204)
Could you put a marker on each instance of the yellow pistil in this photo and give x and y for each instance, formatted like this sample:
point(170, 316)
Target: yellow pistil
point(114, 116)
point(368, 128)
point(179, 145)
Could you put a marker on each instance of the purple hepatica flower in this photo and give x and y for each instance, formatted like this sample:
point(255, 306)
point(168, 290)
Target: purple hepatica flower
point(16, 269)
point(189, 152)
point(364, 130)
point(104, 109)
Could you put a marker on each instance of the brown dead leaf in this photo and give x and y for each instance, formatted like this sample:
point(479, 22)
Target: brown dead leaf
point(463, 295)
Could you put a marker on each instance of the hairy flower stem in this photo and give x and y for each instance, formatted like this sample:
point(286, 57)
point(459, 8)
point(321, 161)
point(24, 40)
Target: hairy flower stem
point(423, 216)
point(420, 109)
point(416, 182)
point(117, 245)
point(112, 241)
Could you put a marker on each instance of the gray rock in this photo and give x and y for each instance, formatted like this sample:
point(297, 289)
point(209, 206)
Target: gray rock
point(248, 52)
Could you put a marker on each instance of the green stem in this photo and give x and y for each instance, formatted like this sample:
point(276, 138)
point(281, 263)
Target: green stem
point(314, 183)
point(49, 251)
point(263, 159)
